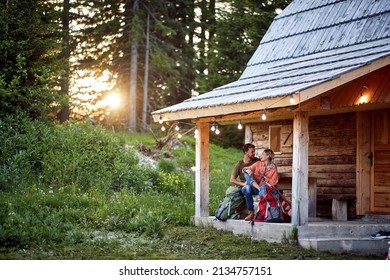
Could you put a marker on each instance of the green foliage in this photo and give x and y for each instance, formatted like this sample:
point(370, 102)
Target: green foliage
point(222, 162)
point(29, 64)
point(65, 159)
point(171, 183)
point(184, 157)
point(166, 165)
point(60, 183)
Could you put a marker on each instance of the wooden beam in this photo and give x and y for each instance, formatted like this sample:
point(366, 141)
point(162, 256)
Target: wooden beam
point(363, 167)
point(300, 169)
point(202, 171)
point(223, 110)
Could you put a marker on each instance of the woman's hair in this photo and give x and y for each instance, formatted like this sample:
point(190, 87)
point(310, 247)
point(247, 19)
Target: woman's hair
point(270, 153)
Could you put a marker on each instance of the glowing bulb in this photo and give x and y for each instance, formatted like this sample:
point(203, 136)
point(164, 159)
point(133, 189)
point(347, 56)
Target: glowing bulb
point(177, 127)
point(264, 116)
point(363, 99)
point(163, 128)
point(217, 131)
point(292, 100)
point(179, 135)
point(160, 121)
point(239, 126)
point(212, 127)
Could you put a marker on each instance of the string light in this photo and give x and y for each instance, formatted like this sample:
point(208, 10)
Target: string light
point(212, 127)
point(292, 100)
point(363, 98)
point(163, 128)
point(160, 121)
point(264, 116)
point(179, 135)
point(217, 130)
point(239, 126)
point(177, 128)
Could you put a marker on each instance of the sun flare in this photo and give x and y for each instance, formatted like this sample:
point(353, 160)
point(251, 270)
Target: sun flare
point(112, 100)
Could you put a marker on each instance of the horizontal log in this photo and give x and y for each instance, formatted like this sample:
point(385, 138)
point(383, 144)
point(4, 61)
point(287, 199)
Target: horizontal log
point(336, 182)
point(336, 190)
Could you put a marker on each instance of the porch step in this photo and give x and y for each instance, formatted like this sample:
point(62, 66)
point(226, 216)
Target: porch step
point(358, 246)
point(347, 237)
point(353, 237)
point(341, 230)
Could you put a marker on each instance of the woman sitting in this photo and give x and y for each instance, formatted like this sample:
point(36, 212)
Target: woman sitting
point(258, 176)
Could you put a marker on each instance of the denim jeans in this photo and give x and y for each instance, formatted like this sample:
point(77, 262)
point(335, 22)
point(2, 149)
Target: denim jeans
point(248, 190)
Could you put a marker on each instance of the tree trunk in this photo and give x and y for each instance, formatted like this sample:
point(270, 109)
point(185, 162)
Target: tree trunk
point(133, 76)
point(64, 113)
point(146, 77)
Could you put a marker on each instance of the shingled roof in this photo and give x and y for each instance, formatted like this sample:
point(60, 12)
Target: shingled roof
point(308, 44)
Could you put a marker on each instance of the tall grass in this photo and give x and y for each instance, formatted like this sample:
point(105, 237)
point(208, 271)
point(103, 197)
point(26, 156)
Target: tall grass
point(62, 184)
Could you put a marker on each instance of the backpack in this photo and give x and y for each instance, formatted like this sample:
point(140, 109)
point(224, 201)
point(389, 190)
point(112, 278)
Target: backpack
point(229, 206)
point(272, 207)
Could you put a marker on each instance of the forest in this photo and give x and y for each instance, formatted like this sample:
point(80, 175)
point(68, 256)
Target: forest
point(113, 62)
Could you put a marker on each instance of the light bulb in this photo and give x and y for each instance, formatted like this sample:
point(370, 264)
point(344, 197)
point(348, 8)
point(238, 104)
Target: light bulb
point(160, 121)
point(264, 116)
point(363, 99)
point(217, 131)
point(239, 126)
point(179, 135)
point(177, 127)
point(212, 127)
point(163, 128)
point(292, 100)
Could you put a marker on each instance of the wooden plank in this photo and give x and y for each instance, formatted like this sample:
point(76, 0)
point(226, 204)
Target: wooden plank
point(202, 171)
point(300, 173)
point(340, 182)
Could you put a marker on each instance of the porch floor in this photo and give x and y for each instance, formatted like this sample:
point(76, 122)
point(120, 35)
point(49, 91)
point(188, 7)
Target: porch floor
point(352, 236)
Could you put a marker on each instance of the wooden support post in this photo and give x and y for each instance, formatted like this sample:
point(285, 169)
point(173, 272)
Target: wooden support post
point(312, 197)
point(248, 134)
point(363, 166)
point(300, 173)
point(202, 171)
point(339, 210)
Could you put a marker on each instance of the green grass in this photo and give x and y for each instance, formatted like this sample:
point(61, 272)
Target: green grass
point(177, 243)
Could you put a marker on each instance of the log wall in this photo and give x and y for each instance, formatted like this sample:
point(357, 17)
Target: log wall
point(332, 156)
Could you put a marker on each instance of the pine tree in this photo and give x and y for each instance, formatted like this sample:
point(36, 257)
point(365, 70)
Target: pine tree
point(30, 66)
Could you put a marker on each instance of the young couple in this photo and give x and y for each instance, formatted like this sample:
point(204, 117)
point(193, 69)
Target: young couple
point(254, 174)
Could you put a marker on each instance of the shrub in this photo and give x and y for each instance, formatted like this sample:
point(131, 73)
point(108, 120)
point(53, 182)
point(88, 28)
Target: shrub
point(166, 165)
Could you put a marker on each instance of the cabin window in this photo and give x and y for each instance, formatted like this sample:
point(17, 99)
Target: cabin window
point(275, 138)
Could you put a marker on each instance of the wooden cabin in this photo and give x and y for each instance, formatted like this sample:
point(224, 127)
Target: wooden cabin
point(321, 77)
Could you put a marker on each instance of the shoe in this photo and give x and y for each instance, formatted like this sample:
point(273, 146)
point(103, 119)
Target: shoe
point(381, 235)
point(250, 216)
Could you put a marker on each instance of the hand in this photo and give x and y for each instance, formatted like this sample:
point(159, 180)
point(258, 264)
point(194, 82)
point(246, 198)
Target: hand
point(249, 172)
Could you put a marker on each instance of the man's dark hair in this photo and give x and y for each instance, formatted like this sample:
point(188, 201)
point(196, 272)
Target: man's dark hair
point(247, 147)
